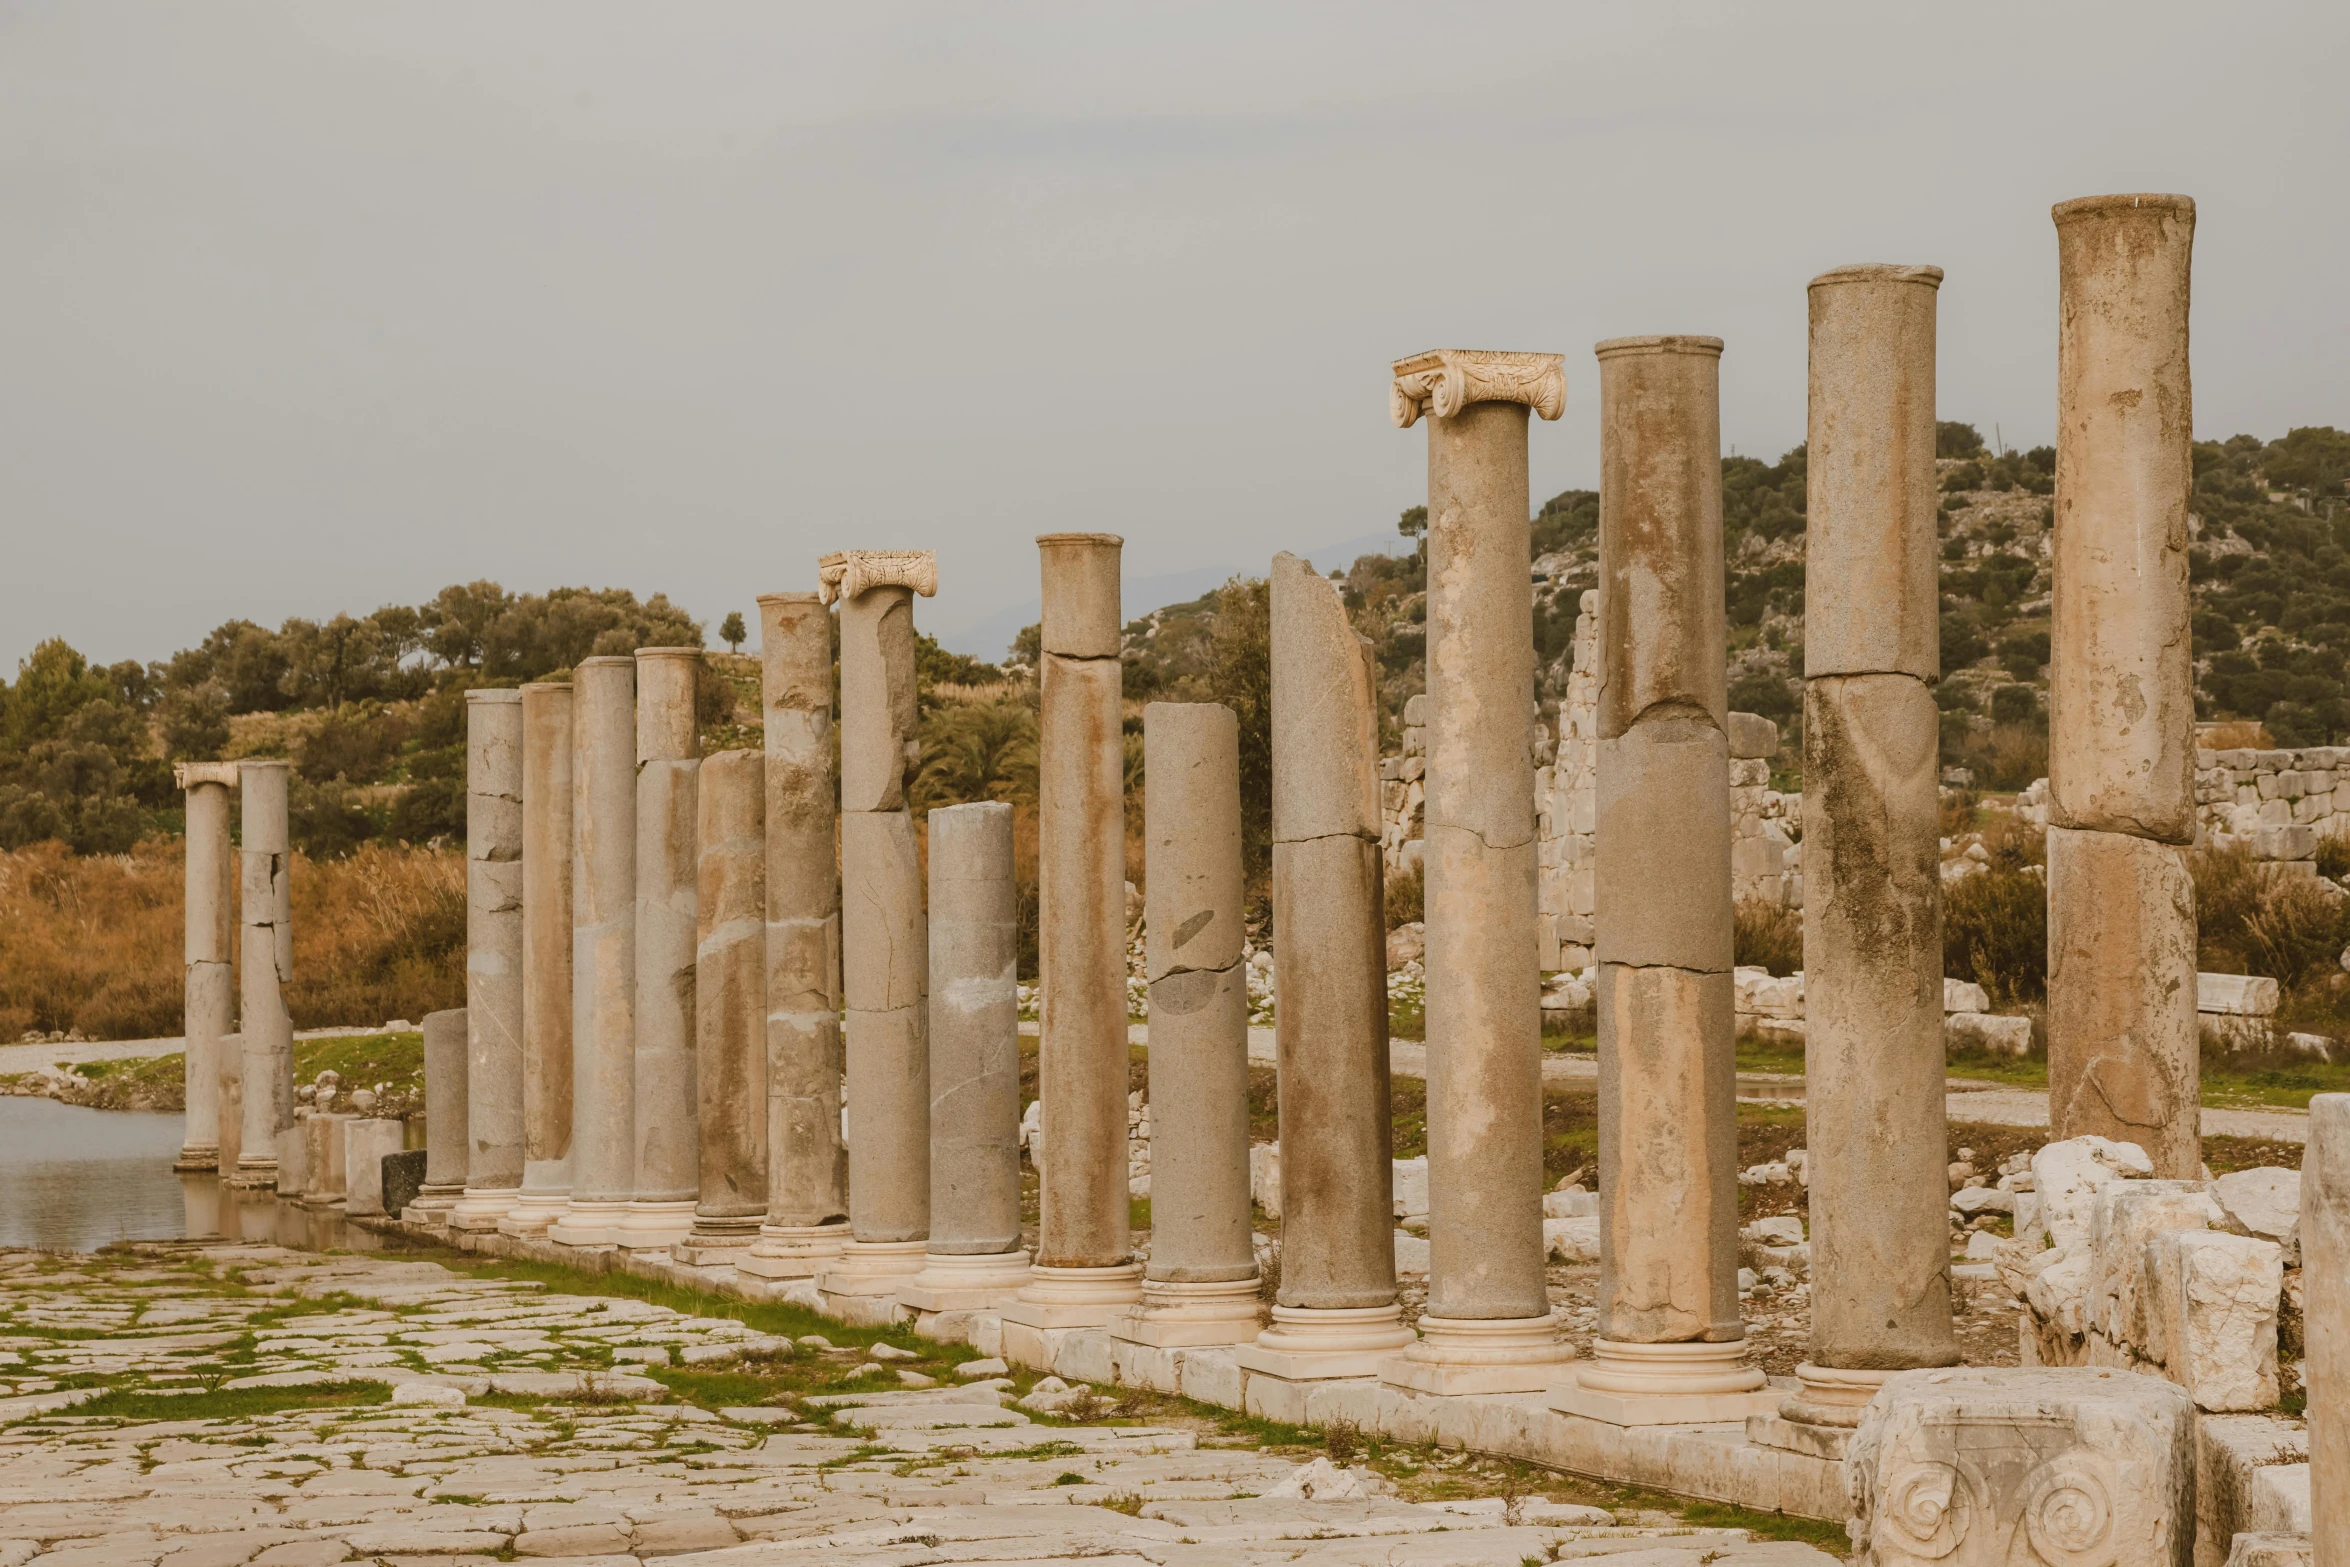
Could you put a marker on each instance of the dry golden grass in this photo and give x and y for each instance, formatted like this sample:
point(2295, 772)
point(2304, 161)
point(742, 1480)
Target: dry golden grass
point(2238, 736)
point(94, 945)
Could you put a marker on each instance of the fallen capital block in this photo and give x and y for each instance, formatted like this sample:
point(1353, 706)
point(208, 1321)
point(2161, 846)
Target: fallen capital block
point(1996, 1467)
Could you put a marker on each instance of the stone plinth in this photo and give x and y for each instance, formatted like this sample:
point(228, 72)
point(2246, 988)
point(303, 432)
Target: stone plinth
point(2325, 1283)
point(2121, 698)
point(603, 950)
point(494, 1075)
point(211, 986)
point(367, 1142)
point(266, 933)
point(547, 849)
point(807, 1205)
point(445, 1102)
point(730, 999)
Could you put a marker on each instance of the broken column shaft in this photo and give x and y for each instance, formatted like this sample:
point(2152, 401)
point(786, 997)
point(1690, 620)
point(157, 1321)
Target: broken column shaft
point(266, 962)
point(546, 959)
point(210, 982)
point(730, 1000)
point(494, 1074)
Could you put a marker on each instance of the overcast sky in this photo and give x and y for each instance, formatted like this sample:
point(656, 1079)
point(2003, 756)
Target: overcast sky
point(311, 307)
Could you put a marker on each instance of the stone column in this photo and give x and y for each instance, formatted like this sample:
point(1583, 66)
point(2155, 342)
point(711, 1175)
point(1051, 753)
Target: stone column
point(884, 960)
point(2325, 1274)
point(730, 1000)
point(1872, 939)
point(668, 763)
point(974, 1260)
point(2122, 1055)
point(210, 1007)
point(493, 959)
point(1335, 1314)
point(266, 912)
point(1201, 1285)
point(546, 959)
point(1488, 1326)
point(603, 951)
point(1670, 1339)
point(807, 1206)
point(445, 1100)
point(1085, 1269)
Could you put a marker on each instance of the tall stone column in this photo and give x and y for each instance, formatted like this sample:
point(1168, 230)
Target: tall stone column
point(884, 959)
point(1488, 1327)
point(1872, 910)
point(1201, 1285)
point(807, 1204)
point(493, 959)
point(211, 996)
point(730, 1000)
point(266, 916)
point(974, 1260)
point(603, 951)
point(2122, 1053)
point(2325, 1273)
point(445, 1103)
point(546, 959)
point(668, 764)
point(1335, 1314)
point(1670, 1338)
point(1085, 1269)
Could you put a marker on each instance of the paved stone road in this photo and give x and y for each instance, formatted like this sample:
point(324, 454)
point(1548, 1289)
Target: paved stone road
point(514, 1429)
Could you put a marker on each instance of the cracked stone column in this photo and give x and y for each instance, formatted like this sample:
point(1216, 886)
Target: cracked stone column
point(444, 1118)
point(730, 998)
point(807, 1206)
point(2325, 1271)
point(1488, 1326)
point(1085, 1269)
point(1670, 1338)
point(2122, 1052)
point(603, 951)
point(1872, 939)
point(266, 916)
point(211, 993)
point(884, 957)
point(974, 1260)
point(546, 960)
point(668, 762)
point(493, 959)
point(1201, 1284)
point(1335, 1314)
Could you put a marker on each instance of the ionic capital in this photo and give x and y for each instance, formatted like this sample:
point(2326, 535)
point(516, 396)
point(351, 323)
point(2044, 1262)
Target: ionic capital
point(1444, 381)
point(187, 775)
point(844, 574)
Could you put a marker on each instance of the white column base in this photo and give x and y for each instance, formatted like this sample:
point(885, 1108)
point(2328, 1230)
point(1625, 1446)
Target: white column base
point(654, 1225)
point(1665, 1385)
point(255, 1172)
point(1076, 1297)
point(718, 1242)
point(1832, 1395)
point(966, 1281)
point(482, 1207)
point(197, 1159)
point(1311, 1344)
point(793, 1251)
point(589, 1221)
point(1180, 1315)
point(866, 1269)
point(534, 1213)
point(1458, 1355)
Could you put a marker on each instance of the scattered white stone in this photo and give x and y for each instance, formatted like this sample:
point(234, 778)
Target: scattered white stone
point(2210, 1309)
point(2068, 1176)
point(1982, 1246)
point(891, 1352)
point(1573, 1203)
point(1324, 1481)
point(1775, 1173)
point(815, 1341)
point(1962, 995)
point(2265, 1202)
point(1995, 1033)
point(916, 1379)
point(1780, 1230)
point(1411, 1253)
point(430, 1394)
point(992, 1366)
point(1974, 1200)
point(1571, 1240)
point(866, 1369)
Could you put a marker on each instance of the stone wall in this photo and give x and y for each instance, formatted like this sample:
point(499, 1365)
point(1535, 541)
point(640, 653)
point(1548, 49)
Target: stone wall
point(2277, 804)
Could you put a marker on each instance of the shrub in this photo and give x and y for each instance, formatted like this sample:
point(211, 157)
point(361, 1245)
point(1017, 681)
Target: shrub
point(2255, 918)
point(1995, 931)
point(1406, 892)
point(1767, 935)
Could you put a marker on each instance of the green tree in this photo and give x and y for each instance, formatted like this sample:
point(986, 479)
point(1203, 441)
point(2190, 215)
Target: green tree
point(1952, 439)
point(731, 630)
point(1241, 677)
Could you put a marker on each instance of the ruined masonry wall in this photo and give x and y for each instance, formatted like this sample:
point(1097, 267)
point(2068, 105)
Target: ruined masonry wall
point(2276, 803)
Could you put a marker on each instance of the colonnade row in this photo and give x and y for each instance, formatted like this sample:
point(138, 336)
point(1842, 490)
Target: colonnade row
point(662, 955)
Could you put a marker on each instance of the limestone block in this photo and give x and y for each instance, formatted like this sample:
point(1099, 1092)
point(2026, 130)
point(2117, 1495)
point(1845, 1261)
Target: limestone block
point(1663, 883)
point(2067, 1177)
point(2271, 1550)
point(2210, 1311)
point(1571, 1239)
point(1987, 1031)
point(1753, 738)
point(2232, 1453)
point(2265, 1203)
point(1960, 995)
point(2006, 1467)
point(366, 1143)
point(2238, 995)
point(1411, 1188)
point(2123, 1218)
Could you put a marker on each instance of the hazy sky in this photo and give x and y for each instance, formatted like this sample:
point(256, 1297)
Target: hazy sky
point(310, 307)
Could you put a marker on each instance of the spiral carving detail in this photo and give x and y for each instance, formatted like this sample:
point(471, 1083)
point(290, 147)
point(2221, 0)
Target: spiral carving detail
point(1929, 1506)
point(2069, 1513)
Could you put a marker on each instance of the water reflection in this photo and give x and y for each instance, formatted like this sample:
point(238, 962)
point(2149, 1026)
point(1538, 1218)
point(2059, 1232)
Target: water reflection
point(73, 1179)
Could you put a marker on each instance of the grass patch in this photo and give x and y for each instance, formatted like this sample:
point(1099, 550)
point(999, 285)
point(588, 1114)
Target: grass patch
point(395, 1061)
point(1768, 1526)
point(243, 1403)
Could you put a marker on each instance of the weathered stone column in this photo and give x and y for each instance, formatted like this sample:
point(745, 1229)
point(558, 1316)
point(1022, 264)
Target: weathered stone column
point(546, 959)
point(2325, 1274)
point(807, 1206)
point(668, 763)
point(1880, 1226)
point(603, 951)
point(1488, 1326)
point(493, 959)
point(1670, 1337)
point(974, 1259)
point(266, 915)
point(211, 994)
point(1335, 1314)
point(445, 1101)
point(730, 999)
point(1085, 1268)
point(2122, 1055)
point(1201, 1285)
point(884, 959)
